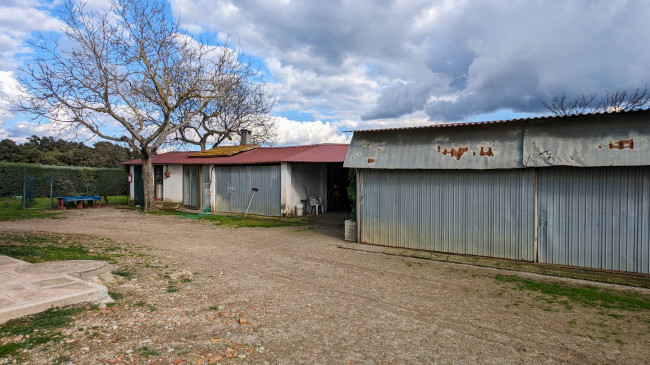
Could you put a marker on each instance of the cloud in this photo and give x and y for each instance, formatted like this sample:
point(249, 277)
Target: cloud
point(291, 132)
point(17, 23)
point(450, 59)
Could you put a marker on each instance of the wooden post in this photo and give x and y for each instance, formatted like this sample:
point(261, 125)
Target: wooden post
point(24, 187)
point(51, 192)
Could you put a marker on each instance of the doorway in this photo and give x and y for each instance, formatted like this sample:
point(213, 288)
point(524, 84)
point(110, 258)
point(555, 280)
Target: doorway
point(191, 187)
point(196, 187)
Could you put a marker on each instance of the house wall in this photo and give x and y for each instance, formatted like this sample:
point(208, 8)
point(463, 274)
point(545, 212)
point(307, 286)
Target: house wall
point(287, 204)
point(310, 176)
point(173, 185)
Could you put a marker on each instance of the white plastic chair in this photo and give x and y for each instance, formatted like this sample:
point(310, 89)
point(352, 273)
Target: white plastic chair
point(315, 203)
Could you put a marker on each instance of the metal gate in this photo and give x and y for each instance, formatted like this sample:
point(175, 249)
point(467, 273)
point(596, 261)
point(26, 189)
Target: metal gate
point(478, 212)
point(234, 185)
point(595, 217)
point(138, 186)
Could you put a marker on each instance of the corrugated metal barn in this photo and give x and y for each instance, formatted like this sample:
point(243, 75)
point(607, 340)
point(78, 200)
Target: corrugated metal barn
point(571, 191)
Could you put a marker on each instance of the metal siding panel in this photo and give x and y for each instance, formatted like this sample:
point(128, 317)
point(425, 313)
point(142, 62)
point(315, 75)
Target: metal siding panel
point(585, 141)
point(602, 140)
point(487, 213)
point(438, 148)
point(595, 217)
point(234, 184)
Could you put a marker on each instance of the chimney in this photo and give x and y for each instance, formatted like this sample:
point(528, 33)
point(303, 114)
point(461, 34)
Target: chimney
point(245, 135)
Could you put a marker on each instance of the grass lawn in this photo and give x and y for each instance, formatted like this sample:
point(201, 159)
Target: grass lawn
point(10, 209)
point(41, 247)
point(586, 295)
point(238, 220)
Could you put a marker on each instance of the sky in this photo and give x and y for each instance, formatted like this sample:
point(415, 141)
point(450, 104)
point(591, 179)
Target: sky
point(335, 66)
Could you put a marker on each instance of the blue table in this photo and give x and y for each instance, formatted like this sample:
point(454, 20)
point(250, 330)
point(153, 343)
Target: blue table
point(79, 200)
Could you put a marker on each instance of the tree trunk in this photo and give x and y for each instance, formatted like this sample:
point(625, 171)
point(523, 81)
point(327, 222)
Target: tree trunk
point(148, 183)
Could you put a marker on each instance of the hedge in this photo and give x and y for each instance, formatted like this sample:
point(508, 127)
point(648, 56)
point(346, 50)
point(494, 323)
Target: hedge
point(68, 180)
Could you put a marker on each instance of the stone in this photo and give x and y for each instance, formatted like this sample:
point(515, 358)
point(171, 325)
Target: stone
point(125, 288)
point(107, 278)
point(216, 358)
point(350, 230)
point(178, 275)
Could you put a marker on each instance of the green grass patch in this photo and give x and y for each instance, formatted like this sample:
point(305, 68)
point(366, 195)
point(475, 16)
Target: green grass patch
point(11, 209)
point(145, 351)
point(588, 295)
point(171, 288)
point(45, 322)
point(238, 220)
point(213, 307)
point(115, 296)
point(34, 248)
point(125, 274)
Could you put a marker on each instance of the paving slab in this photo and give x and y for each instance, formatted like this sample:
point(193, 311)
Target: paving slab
point(32, 288)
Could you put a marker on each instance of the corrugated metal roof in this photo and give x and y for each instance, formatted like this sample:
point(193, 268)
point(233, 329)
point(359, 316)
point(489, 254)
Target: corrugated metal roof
point(262, 155)
point(224, 150)
point(460, 124)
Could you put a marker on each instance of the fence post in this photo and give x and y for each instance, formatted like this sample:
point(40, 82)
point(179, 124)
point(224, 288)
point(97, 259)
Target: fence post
point(24, 187)
point(51, 192)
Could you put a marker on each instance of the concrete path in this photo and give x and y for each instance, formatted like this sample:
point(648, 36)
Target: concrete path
point(29, 288)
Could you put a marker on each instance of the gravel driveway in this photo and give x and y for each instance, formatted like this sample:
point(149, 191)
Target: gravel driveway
point(289, 295)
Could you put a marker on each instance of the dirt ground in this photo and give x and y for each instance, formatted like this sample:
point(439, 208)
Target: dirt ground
point(289, 295)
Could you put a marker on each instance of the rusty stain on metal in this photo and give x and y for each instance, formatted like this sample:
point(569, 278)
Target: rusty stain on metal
point(371, 160)
point(546, 154)
point(456, 153)
point(486, 152)
point(622, 144)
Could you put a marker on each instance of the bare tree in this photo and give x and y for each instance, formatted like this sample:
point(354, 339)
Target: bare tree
point(126, 74)
point(621, 100)
point(245, 104)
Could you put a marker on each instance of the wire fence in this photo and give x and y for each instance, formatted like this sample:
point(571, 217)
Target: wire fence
point(26, 182)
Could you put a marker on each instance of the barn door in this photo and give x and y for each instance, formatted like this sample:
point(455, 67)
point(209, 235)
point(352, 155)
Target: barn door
point(595, 217)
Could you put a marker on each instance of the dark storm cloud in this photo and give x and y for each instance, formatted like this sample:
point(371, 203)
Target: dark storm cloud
point(451, 59)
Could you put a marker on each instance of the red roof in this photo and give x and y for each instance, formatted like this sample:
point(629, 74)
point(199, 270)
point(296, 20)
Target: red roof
point(262, 155)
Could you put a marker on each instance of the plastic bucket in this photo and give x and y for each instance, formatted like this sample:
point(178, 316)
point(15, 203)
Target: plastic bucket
point(300, 210)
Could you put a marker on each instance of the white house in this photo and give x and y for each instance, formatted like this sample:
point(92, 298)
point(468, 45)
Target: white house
point(224, 179)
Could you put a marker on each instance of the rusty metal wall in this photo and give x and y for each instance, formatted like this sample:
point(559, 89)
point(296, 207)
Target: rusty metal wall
point(595, 217)
point(467, 147)
point(588, 142)
point(487, 213)
point(620, 139)
point(233, 189)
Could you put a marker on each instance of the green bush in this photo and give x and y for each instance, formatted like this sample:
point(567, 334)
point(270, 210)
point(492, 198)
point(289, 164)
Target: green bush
point(68, 180)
